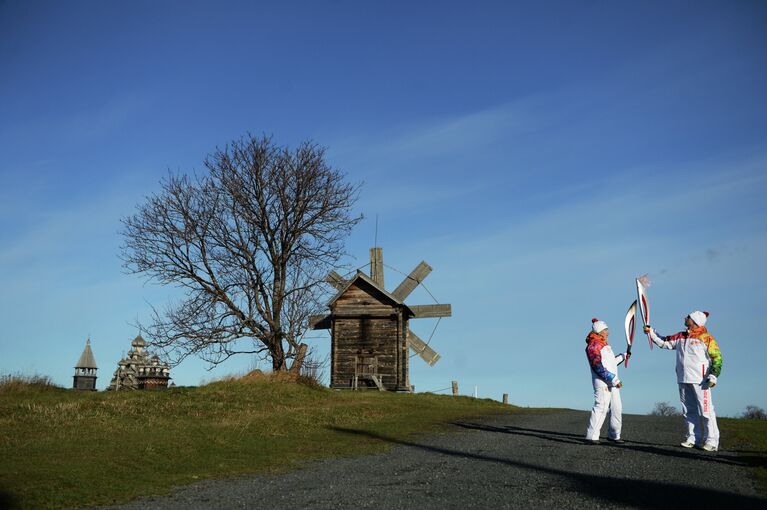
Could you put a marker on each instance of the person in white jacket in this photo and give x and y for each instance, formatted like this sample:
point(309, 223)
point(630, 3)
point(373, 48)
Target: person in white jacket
point(604, 378)
point(698, 365)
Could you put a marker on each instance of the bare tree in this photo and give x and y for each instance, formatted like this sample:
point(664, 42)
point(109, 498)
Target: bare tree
point(248, 242)
point(754, 413)
point(664, 409)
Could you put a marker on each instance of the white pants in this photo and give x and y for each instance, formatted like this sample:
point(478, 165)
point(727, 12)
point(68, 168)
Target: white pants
point(605, 399)
point(699, 416)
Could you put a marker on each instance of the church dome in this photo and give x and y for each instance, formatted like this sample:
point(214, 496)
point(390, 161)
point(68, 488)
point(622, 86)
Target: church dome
point(138, 342)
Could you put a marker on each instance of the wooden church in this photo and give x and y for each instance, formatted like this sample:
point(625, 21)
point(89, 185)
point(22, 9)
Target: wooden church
point(370, 331)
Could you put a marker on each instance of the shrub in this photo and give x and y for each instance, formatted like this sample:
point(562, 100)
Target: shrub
point(664, 409)
point(754, 413)
point(313, 369)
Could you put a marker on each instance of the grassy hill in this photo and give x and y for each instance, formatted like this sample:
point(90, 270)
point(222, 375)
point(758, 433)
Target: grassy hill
point(62, 448)
point(749, 439)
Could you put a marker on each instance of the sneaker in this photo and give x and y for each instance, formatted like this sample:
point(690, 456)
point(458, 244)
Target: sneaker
point(710, 448)
point(688, 444)
point(591, 441)
point(616, 441)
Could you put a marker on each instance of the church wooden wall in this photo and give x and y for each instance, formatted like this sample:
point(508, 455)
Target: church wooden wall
point(84, 383)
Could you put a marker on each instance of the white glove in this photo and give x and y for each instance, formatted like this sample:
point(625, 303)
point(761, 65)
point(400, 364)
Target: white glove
point(711, 380)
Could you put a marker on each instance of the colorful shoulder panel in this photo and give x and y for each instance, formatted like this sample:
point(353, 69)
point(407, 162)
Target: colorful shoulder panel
point(594, 355)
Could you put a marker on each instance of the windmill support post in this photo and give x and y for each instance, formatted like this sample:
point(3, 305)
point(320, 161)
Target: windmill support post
point(455, 388)
point(298, 362)
point(376, 265)
point(506, 398)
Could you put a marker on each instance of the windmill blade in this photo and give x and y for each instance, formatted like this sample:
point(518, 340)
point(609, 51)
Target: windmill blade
point(412, 280)
point(319, 321)
point(418, 346)
point(336, 280)
point(427, 311)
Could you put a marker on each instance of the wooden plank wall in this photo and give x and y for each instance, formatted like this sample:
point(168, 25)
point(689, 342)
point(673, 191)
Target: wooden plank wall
point(364, 337)
point(357, 300)
point(365, 328)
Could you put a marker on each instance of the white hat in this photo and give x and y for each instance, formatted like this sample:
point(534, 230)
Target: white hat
point(699, 318)
point(597, 325)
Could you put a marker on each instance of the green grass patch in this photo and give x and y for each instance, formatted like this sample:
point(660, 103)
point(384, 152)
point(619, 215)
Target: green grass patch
point(749, 439)
point(63, 448)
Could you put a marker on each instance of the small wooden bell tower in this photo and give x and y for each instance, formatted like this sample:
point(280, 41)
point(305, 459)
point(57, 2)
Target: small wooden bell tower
point(85, 370)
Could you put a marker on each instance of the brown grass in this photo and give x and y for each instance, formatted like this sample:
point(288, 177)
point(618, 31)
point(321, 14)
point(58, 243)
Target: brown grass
point(17, 383)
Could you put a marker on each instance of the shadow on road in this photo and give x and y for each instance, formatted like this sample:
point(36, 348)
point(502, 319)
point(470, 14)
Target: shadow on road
point(549, 435)
point(664, 450)
point(637, 493)
point(8, 501)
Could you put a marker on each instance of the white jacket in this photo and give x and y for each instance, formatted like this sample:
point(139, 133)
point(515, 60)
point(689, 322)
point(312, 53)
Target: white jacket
point(694, 356)
point(604, 365)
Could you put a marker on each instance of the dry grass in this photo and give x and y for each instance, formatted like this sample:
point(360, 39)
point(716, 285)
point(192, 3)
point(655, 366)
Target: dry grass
point(17, 383)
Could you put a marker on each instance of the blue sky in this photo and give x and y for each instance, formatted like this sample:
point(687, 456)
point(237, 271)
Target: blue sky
point(538, 155)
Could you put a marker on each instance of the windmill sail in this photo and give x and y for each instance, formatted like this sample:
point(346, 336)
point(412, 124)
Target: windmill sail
point(421, 348)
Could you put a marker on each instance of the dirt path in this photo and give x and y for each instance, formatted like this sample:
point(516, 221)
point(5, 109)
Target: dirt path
point(523, 460)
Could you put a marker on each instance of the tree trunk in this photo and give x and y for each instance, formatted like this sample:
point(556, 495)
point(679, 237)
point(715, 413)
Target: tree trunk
point(278, 357)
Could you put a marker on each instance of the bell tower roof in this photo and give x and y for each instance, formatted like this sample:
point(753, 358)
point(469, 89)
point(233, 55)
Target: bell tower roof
point(86, 358)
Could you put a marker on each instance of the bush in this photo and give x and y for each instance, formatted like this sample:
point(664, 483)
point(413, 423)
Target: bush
point(754, 413)
point(664, 409)
point(313, 369)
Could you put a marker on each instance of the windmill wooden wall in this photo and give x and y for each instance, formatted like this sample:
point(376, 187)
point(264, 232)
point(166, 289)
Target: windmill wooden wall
point(369, 337)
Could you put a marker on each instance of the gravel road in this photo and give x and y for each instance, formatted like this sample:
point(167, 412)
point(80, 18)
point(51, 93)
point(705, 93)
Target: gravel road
point(527, 459)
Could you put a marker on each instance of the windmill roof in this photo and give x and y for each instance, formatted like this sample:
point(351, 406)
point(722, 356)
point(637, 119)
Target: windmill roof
point(362, 276)
point(86, 358)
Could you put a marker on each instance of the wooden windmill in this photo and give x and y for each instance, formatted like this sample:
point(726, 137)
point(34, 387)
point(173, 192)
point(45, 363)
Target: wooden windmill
point(370, 332)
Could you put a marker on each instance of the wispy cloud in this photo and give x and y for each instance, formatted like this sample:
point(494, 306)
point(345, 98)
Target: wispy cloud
point(68, 237)
point(439, 160)
point(625, 210)
point(444, 136)
point(467, 132)
point(74, 126)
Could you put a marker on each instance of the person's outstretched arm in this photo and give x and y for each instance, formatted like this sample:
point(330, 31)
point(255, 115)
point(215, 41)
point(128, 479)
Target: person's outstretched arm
point(664, 342)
